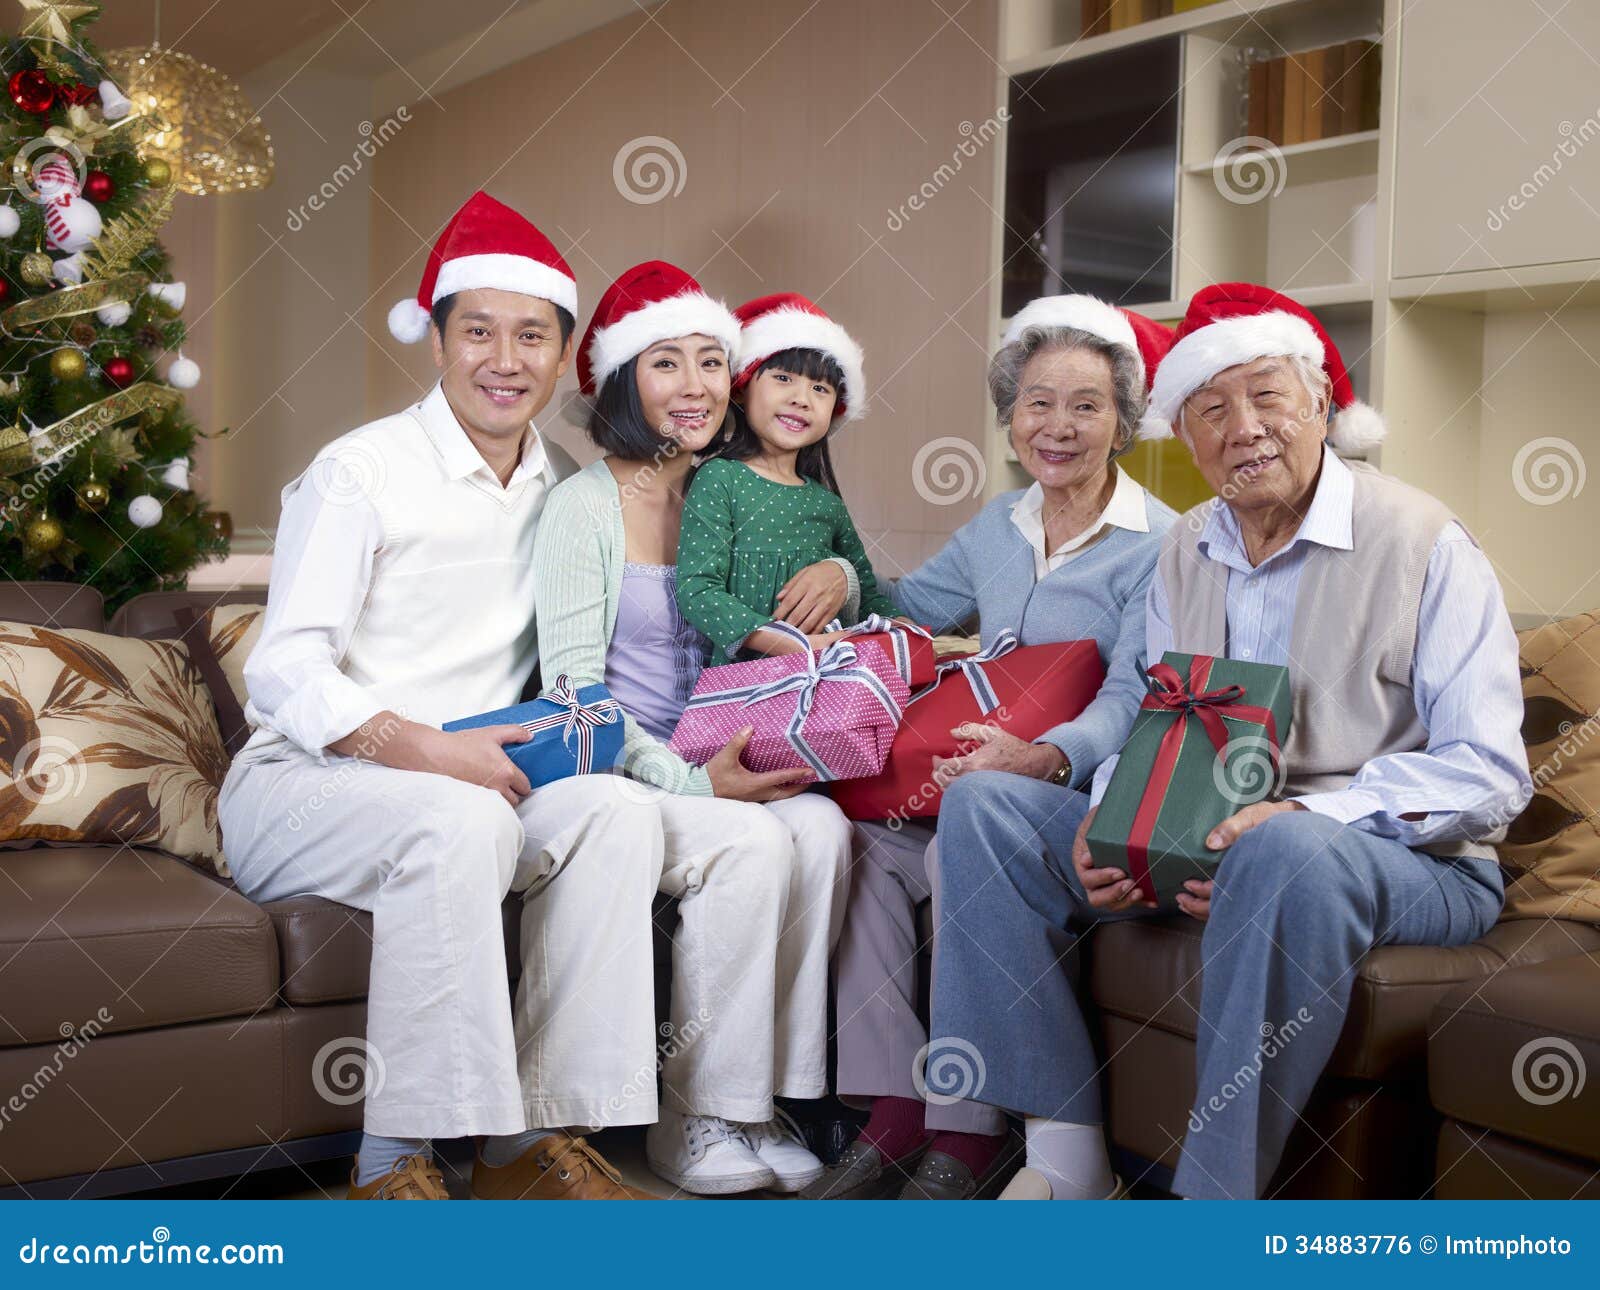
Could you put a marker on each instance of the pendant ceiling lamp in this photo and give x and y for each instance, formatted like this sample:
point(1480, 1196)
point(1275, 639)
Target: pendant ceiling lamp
point(208, 132)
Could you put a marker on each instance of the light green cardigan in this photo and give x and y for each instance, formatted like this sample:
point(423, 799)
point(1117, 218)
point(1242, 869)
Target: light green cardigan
point(578, 556)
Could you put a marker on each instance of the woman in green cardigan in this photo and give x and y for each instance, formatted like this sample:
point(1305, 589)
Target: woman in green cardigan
point(759, 866)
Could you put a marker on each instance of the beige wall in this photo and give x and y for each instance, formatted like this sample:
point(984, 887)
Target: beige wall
point(796, 144)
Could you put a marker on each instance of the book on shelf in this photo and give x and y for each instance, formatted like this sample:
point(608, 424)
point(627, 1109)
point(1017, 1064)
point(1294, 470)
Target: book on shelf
point(1316, 93)
point(1095, 17)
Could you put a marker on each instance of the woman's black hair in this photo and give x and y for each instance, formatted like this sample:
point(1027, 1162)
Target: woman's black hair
point(739, 442)
point(616, 422)
point(440, 314)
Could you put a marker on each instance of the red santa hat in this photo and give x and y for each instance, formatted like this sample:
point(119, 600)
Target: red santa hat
point(486, 244)
point(651, 302)
point(1230, 323)
point(1148, 339)
point(772, 324)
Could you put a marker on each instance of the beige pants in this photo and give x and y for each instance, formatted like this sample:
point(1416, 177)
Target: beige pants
point(432, 858)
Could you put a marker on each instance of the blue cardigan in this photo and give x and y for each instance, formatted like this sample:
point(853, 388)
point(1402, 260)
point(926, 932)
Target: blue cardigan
point(987, 567)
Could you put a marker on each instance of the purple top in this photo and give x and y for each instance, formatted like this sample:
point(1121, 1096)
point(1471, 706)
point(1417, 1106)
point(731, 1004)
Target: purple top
point(655, 655)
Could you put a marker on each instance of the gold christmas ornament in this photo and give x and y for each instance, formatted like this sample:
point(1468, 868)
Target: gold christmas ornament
point(207, 130)
point(94, 495)
point(43, 534)
point(157, 172)
point(68, 365)
point(36, 268)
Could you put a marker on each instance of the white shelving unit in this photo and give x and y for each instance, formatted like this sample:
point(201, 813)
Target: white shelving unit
point(1474, 340)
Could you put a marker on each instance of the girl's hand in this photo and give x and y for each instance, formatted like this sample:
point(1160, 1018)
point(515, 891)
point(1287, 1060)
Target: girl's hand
point(997, 750)
point(813, 597)
point(730, 778)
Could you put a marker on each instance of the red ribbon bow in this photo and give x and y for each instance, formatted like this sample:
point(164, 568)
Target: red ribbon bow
point(1170, 692)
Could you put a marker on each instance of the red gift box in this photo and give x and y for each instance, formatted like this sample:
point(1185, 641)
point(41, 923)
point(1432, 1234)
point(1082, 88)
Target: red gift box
point(1023, 689)
point(910, 647)
point(831, 711)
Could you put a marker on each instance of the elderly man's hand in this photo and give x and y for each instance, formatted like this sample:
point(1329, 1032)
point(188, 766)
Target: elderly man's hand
point(1241, 822)
point(997, 750)
point(1108, 889)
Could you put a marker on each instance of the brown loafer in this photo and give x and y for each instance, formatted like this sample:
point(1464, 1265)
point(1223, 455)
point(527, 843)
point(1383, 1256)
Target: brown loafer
point(412, 1178)
point(559, 1166)
point(942, 1177)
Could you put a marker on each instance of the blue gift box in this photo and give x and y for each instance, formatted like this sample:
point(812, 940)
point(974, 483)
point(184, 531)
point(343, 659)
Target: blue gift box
point(575, 732)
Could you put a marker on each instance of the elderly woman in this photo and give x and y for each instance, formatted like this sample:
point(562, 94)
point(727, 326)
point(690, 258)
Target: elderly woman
point(758, 866)
point(1068, 558)
point(1402, 765)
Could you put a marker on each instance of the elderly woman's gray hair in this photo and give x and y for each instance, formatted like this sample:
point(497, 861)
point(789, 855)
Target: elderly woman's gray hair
point(1127, 385)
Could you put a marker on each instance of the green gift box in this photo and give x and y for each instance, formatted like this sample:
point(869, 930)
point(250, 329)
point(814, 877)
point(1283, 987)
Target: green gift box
point(1205, 744)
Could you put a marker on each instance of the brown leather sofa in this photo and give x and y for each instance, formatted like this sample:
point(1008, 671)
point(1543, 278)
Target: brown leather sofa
point(1514, 1065)
point(1370, 1129)
point(221, 1007)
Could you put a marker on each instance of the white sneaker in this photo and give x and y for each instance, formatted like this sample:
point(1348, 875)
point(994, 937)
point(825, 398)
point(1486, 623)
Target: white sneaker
point(779, 1146)
point(705, 1155)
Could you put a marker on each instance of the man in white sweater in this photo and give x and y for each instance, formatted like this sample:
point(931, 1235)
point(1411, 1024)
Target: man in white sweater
point(401, 597)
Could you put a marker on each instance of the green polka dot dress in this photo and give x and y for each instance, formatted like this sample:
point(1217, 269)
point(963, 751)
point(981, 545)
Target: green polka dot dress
point(744, 536)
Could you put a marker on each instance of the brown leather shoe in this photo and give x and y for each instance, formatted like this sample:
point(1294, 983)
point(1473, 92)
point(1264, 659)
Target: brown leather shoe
point(412, 1178)
point(559, 1166)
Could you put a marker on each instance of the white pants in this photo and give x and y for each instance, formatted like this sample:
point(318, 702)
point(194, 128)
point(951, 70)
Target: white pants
point(432, 858)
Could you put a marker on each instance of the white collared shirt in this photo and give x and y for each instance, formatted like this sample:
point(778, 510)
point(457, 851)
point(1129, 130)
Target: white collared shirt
point(401, 580)
point(1125, 510)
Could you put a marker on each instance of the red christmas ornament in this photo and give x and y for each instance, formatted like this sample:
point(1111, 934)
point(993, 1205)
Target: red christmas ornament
point(118, 371)
point(32, 91)
point(98, 186)
point(5, 290)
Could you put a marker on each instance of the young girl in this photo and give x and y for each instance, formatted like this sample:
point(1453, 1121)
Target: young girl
point(767, 505)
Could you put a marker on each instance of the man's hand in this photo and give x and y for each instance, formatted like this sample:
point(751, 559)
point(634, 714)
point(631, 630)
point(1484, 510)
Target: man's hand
point(1195, 898)
point(997, 750)
point(478, 757)
point(1108, 889)
point(813, 597)
point(1241, 822)
point(730, 778)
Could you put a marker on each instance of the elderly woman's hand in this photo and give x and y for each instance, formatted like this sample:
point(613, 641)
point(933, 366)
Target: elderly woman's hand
point(997, 750)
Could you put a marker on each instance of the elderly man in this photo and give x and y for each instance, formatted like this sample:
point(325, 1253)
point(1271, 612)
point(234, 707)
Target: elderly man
point(1402, 765)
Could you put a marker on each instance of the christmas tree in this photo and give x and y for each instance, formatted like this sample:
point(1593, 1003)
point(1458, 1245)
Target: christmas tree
point(95, 445)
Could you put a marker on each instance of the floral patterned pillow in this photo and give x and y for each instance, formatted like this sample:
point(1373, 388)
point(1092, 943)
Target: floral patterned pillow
point(108, 739)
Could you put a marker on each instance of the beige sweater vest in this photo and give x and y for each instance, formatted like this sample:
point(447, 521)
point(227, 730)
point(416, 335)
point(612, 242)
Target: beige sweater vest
point(1355, 631)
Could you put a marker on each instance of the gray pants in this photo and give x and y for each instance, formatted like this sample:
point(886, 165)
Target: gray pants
point(1298, 902)
point(881, 1033)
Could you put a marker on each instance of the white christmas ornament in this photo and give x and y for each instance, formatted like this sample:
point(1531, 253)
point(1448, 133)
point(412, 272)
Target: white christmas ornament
point(72, 223)
point(114, 103)
point(184, 372)
point(10, 221)
point(171, 294)
point(144, 511)
point(114, 312)
point(177, 474)
point(69, 269)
